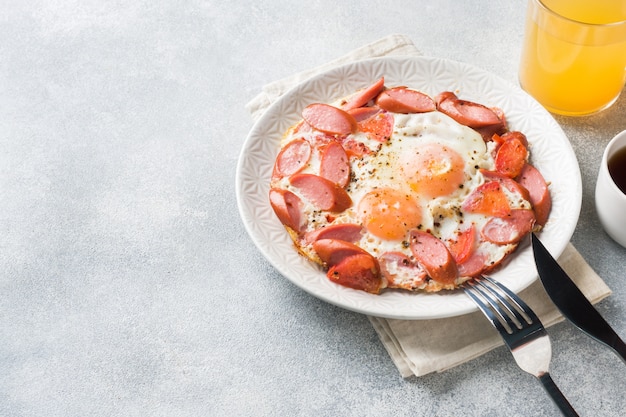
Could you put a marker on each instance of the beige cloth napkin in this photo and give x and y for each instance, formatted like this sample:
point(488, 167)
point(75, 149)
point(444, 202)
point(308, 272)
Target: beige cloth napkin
point(388, 46)
point(419, 347)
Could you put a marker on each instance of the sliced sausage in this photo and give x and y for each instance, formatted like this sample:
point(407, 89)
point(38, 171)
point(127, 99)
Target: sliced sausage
point(405, 100)
point(362, 113)
point(362, 97)
point(360, 271)
point(329, 119)
point(444, 96)
point(500, 113)
point(466, 112)
point(302, 127)
point(539, 195)
point(292, 158)
point(511, 157)
point(488, 132)
point(288, 209)
point(334, 164)
point(488, 199)
point(401, 272)
point(493, 132)
point(333, 251)
point(434, 256)
point(321, 192)
point(510, 184)
point(509, 229)
point(349, 232)
point(477, 116)
point(474, 265)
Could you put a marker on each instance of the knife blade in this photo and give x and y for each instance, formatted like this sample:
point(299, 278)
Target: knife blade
point(572, 302)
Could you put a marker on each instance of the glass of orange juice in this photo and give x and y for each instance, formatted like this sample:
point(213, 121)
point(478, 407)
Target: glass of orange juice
point(574, 54)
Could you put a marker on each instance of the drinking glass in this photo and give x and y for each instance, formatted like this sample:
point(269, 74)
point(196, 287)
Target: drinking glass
point(574, 54)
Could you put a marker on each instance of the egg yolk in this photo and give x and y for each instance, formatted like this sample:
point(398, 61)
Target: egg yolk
point(389, 213)
point(433, 170)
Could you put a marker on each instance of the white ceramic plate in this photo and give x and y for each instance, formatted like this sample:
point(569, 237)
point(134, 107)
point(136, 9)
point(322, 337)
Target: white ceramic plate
point(551, 153)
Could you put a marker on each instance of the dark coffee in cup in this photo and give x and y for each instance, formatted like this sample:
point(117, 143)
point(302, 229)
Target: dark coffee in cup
point(617, 168)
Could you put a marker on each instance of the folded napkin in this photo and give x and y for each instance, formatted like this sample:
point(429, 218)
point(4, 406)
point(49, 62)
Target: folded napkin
point(419, 347)
point(389, 46)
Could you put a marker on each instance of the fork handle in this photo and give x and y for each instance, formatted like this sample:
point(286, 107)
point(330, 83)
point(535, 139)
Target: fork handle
point(557, 396)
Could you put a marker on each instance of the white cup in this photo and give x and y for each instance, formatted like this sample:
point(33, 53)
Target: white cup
point(610, 200)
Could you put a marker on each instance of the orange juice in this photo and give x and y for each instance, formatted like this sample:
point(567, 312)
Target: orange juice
point(574, 55)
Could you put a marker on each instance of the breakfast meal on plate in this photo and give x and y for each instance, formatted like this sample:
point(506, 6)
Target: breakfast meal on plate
point(392, 188)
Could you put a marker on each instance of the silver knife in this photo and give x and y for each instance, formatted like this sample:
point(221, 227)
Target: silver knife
point(572, 302)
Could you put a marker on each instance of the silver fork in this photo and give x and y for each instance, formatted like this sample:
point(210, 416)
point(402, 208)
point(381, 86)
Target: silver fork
point(521, 330)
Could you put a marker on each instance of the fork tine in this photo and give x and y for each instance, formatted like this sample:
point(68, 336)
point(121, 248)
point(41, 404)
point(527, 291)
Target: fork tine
point(486, 306)
point(505, 309)
point(519, 304)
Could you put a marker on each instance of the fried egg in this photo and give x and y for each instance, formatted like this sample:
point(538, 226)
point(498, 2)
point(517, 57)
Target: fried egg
point(420, 178)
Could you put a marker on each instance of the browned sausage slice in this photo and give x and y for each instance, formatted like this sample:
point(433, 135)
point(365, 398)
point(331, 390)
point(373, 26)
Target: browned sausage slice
point(473, 266)
point(360, 271)
point(509, 229)
point(292, 158)
point(434, 256)
point(321, 192)
point(362, 97)
point(349, 232)
point(288, 209)
point(405, 100)
point(363, 113)
point(400, 271)
point(467, 113)
point(333, 251)
point(329, 119)
point(488, 132)
point(334, 164)
point(539, 195)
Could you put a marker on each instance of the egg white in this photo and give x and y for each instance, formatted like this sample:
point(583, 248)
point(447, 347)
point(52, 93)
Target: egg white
point(441, 216)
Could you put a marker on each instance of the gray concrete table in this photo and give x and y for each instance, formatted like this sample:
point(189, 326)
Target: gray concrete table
point(128, 285)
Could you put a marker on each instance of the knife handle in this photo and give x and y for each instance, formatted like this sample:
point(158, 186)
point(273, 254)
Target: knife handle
point(557, 396)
